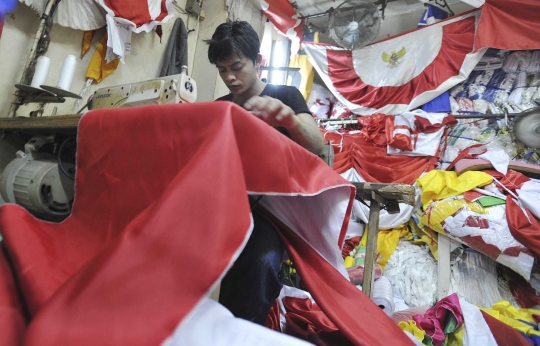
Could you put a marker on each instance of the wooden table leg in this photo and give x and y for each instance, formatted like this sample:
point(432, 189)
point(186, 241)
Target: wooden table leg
point(371, 246)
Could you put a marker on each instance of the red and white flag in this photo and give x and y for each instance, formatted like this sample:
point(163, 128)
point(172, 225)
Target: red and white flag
point(401, 73)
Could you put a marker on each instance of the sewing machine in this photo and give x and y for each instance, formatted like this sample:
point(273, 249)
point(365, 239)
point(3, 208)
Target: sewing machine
point(178, 88)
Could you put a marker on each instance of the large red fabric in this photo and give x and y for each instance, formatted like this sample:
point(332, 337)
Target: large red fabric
point(12, 321)
point(508, 24)
point(457, 43)
point(154, 185)
point(525, 230)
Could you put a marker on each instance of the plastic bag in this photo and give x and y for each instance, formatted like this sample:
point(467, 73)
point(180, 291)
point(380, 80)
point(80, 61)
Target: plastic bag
point(356, 274)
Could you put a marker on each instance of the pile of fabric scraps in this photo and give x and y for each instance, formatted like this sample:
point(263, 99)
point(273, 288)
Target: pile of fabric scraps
point(296, 313)
point(454, 321)
point(491, 88)
point(498, 144)
point(412, 270)
point(388, 149)
point(456, 206)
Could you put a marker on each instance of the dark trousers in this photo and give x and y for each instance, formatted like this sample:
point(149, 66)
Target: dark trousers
point(251, 286)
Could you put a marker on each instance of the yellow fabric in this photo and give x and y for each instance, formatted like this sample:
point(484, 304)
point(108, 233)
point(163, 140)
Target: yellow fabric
point(307, 73)
point(387, 242)
point(349, 262)
point(98, 69)
point(437, 185)
point(456, 338)
point(412, 328)
point(438, 211)
point(505, 308)
point(517, 325)
point(425, 236)
point(87, 41)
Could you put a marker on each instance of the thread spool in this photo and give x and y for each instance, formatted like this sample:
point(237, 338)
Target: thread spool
point(42, 72)
point(383, 295)
point(67, 72)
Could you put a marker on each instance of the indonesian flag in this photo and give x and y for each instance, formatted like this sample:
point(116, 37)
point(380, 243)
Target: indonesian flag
point(161, 213)
point(401, 73)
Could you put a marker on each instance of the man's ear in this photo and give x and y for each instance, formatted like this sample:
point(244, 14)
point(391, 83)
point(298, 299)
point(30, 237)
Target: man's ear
point(258, 61)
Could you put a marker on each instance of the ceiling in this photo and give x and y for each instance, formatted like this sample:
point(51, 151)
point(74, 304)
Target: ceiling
point(394, 8)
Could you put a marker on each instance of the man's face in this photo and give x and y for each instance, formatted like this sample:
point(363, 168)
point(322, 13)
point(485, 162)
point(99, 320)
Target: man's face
point(238, 73)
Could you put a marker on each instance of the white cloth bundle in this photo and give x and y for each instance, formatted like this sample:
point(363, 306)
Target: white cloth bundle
point(516, 94)
point(511, 63)
point(534, 66)
point(535, 80)
point(508, 81)
point(413, 273)
point(524, 61)
point(480, 106)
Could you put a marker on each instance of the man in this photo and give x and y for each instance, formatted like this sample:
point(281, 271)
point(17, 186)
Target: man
point(252, 284)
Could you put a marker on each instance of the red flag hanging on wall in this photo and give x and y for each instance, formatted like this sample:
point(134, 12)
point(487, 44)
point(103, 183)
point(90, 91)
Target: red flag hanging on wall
point(399, 74)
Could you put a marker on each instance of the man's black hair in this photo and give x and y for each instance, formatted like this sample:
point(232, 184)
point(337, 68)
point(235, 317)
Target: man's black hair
point(231, 39)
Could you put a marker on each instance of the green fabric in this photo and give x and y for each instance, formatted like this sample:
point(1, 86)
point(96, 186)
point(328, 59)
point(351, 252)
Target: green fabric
point(489, 201)
point(451, 323)
point(428, 340)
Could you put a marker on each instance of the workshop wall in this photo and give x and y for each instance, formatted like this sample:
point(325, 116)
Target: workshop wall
point(144, 62)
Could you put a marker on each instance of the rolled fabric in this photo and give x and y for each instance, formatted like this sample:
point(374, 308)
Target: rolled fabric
point(383, 295)
point(534, 65)
point(511, 63)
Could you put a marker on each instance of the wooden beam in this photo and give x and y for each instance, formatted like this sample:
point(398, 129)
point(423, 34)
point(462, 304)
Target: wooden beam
point(371, 246)
point(40, 123)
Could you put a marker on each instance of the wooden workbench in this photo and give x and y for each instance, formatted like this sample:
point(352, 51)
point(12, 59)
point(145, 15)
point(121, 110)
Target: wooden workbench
point(52, 124)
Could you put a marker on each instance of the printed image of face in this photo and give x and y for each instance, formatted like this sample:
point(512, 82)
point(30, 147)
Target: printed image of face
point(238, 73)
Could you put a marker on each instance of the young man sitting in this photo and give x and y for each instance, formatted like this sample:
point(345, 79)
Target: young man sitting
point(250, 287)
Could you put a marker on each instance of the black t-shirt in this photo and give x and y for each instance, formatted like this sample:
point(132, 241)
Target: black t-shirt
point(289, 95)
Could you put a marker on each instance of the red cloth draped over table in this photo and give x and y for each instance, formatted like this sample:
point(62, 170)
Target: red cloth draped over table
point(366, 152)
point(401, 73)
point(160, 214)
point(509, 24)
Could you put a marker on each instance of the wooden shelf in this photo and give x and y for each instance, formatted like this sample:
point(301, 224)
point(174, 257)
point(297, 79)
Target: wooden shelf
point(58, 123)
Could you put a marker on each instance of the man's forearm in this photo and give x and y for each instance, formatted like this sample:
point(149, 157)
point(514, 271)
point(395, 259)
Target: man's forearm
point(307, 134)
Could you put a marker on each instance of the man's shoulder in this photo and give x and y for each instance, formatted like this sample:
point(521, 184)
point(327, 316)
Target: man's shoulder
point(277, 90)
point(227, 97)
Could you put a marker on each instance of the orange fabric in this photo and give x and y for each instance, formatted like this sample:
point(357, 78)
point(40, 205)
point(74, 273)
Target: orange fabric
point(99, 69)
point(87, 41)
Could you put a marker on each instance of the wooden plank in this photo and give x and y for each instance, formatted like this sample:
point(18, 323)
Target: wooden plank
point(40, 123)
point(371, 246)
point(443, 285)
point(400, 192)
